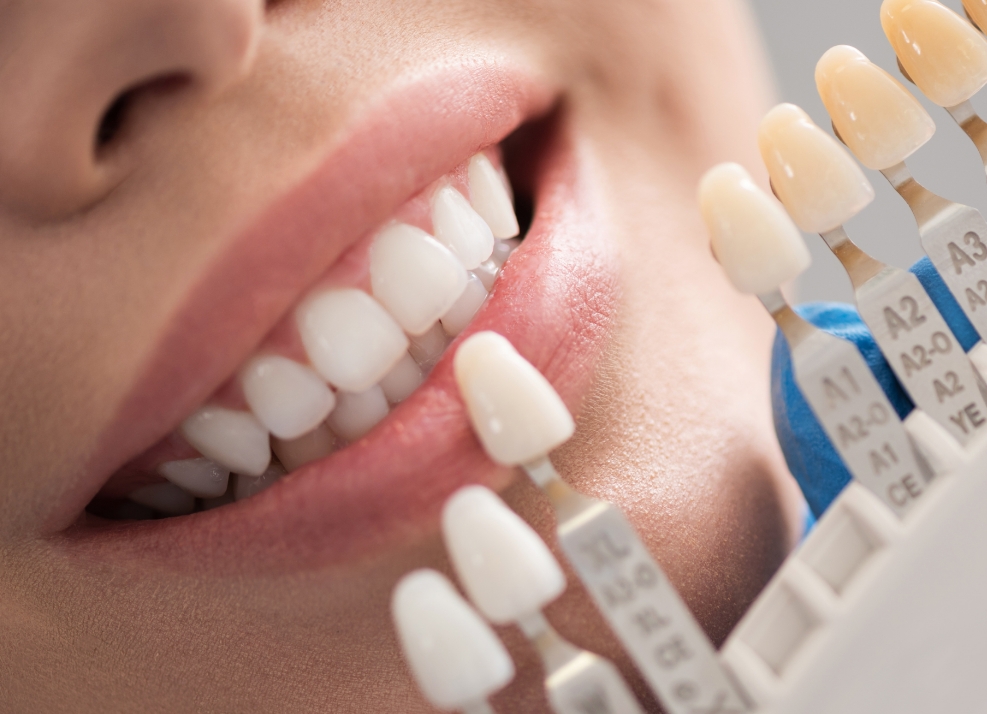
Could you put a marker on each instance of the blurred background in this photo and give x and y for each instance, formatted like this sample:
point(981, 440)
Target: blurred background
point(797, 33)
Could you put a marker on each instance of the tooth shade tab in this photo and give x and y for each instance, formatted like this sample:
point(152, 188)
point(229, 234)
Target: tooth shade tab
point(941, 52)
point(401, 381)
point(818, 181)
point(356, 413)
point(414, 276)
point(295, 453)
point(165, 498)
point(751, 235)
point(515, 412)
point(455, 657)
point(233, 438)
point(877, 118)
point(504, 566)
point(201, 477)
point(289, 398)
point(460, 228)
point(350, 339)
point(247, 486)
point(977, 10)
point(468, 304)
point(491, 199)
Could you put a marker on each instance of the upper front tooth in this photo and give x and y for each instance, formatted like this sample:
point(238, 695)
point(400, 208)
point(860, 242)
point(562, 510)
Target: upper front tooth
point(455, 657)
point(200, 477)
point(351, 340)
point(516, 413)
point(288, 398)
point(491, 199)
point(942, 53)
point(504, 566)
point(460, 228)
point(877, 118)
point(414, 276)
point(817, 180)
point(232, 438)
point(752, 237)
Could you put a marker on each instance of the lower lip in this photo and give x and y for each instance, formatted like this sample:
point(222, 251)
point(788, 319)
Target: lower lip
point(554, 300)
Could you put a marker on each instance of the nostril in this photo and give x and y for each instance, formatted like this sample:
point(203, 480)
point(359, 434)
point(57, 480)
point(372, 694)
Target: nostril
point(112, 120)
point(117, 115)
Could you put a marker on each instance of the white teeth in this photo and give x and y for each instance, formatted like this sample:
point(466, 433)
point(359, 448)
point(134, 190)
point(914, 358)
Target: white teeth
point(356, 413)
point(414, 276)
point(487, 273)
point(200, 477)
point(164, 497)
point(460, 314)
point(490, 198)
point(235, 439)
point(247, 486)
point(426, 349)
point(310, 447)
point(502, 251)
point(460, 228)
point(515, 412)
point(226, 499)
point(455, 657)
point(401, 381)
point(505, 568)
point(288, 398)
point(351, 340)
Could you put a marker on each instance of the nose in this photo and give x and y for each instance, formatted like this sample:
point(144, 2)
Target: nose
point(69, 70)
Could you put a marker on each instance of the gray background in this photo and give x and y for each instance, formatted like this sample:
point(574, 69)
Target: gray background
point(797, 33)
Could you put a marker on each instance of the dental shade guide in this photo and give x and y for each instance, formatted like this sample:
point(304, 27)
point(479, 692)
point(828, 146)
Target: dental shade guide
point(519, 419)
point(510, 576)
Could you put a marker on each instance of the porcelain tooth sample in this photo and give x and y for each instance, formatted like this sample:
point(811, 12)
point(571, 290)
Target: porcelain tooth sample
point(516, 413)
point(491, 199)
point(165, 498)
point(295, 453)
point(401, 381)
point(414, 276)
point(288, 398)
point(455, 657)
point(820, 185)
point(356, 413)
point(350, 339)
point(943, 54)
point(233, 438)
point(201, 477)
point(460, 228)
point(469, 303)
point(876, 117)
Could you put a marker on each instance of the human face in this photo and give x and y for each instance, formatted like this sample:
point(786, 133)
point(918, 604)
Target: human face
point(177, 177)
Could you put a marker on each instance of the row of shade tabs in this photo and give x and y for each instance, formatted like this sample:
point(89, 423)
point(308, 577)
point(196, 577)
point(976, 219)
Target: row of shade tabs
point(822, 187)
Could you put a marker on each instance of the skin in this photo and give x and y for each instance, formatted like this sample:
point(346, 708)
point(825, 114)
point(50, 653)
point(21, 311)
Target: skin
point(99, 250)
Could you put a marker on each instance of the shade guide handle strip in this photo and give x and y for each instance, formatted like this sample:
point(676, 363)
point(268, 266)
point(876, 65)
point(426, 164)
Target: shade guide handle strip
point(973, 126)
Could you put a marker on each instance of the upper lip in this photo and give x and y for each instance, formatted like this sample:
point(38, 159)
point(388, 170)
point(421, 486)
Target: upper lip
point(384, 484)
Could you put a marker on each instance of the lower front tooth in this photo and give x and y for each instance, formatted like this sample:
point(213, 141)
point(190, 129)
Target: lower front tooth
point(414, 276)
point(502, 251)
point(401, 381)
point(459, 316)
point(426, 349)
point(166, 498)
point(315, 445)
point(487, 272)
point(200, 477)
point(288, 398)
point(235, 439)
point(356, 413)
point(247, 486)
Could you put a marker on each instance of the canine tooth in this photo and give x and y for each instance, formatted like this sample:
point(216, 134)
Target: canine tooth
point(460, 228)
point(414, 276)
point(164, 497)
point(247, 486)
point(356, 413)
point(487, 272)
point(752, 237)
point(401, 381)
point(943, 54)
point(295, 453)
point(200, 477)
point(877, 118)
point(502, 251)
point(504, 566)
point(289, 398)
point(820, 184)
point(351, 340)
point(515, 412)
point(235, 439)
point(491, 199)
point(455, 657)
point(426, 349)
point(460, 314)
